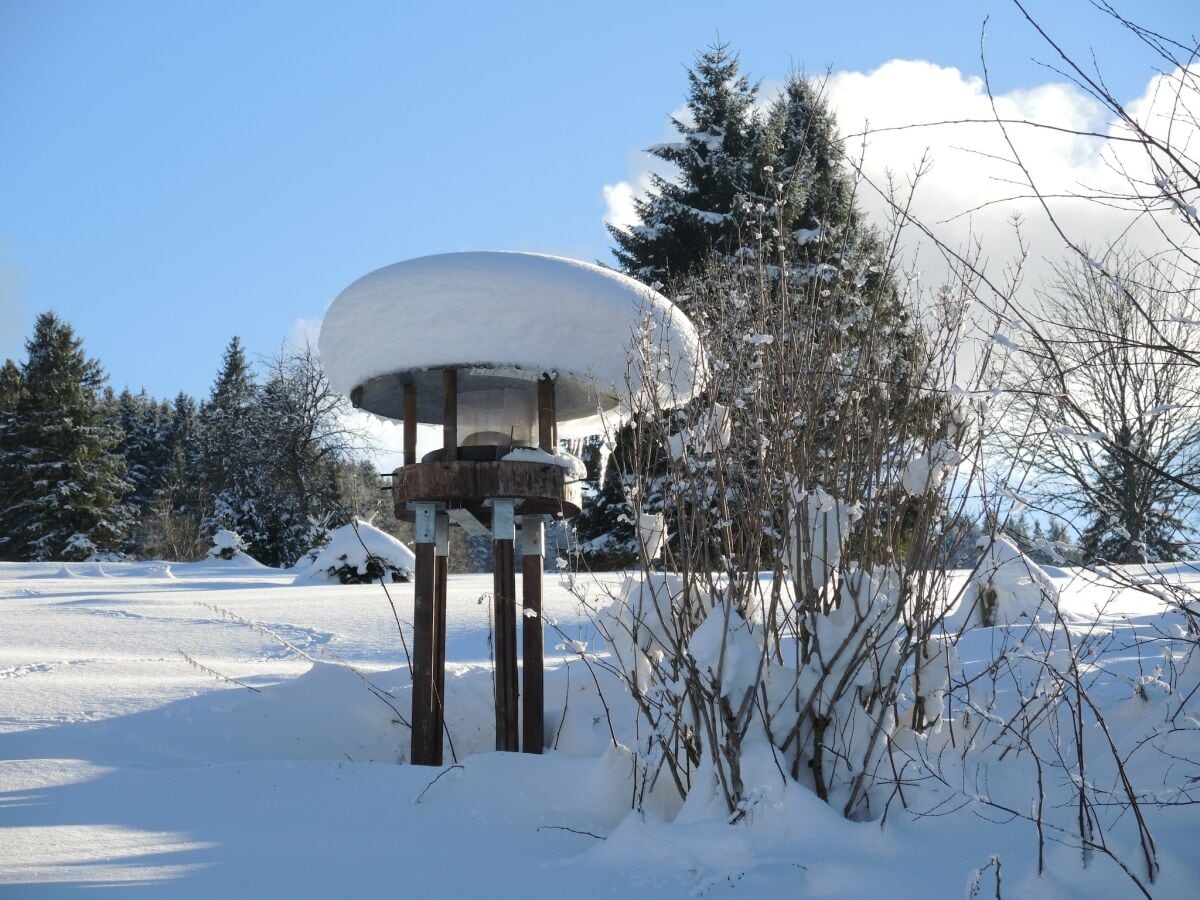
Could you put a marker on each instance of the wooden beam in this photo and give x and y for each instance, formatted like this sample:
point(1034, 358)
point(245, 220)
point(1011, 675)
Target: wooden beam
point(424, 629)
point(410, 424)
point(533, 730)
point(504, 592)
point(449, 414)
point(547, 421)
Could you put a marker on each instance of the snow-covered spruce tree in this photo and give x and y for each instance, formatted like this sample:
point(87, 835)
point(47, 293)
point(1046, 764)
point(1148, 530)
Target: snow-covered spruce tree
point(683, 221)
point(145, 447)
point(172, 527)
point(11, 476)
point(61, 475)
point(743, 682)
point(10, 386)
point(1137, 516)
point(231, 442)
point(606, 532)
point(746, 182)
point(787, 196)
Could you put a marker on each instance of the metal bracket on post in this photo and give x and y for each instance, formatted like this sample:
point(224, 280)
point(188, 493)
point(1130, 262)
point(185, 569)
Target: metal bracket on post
point(424, 522)
point(504, 524)
point(533, 536)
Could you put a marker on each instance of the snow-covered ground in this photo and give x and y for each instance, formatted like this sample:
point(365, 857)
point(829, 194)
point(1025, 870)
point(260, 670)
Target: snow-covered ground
point(213, 730)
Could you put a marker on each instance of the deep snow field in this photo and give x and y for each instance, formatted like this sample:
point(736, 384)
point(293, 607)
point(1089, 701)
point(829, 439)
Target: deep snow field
point(132, 764)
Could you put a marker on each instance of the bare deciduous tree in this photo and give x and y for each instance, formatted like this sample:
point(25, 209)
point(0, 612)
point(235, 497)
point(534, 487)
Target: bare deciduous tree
point(1103, 411)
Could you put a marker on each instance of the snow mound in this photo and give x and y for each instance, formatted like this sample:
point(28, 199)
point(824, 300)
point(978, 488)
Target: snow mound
point(508, 310)
point(1008, 586)
point(359, 553)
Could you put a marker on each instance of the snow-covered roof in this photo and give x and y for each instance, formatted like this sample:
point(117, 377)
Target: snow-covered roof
point(504, 315)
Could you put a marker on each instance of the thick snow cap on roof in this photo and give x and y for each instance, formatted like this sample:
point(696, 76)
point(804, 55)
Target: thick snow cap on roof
point(507, 315)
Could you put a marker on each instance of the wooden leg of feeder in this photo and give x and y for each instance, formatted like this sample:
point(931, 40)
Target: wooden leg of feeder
point(504, 593)
point(532, 551)
point(547, 415)
point(449, 414)
point(410, 424)
point(424, 630)
point(440, 570)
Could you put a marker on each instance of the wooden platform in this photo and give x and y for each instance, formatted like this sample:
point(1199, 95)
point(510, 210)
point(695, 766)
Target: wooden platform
point(541, 488)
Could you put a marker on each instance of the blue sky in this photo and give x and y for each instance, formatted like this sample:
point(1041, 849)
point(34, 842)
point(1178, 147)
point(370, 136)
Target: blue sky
point(173, 174)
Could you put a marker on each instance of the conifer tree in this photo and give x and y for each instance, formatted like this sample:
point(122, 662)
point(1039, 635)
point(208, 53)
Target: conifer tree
point(11, 474)
point(10, 386)
point(145, 448)
point(683, 221)
point(174, 523)
point(230, 445)
point(183, 475)
point(1132, 517)
point(760, 195)
point(58, 454)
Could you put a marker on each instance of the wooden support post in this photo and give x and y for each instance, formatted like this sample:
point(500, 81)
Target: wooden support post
point(440, 570)
point(424, 629)
point(547, 415)
point(504, 592)
point(532, 551)
point(449, 414)
point(410, 424)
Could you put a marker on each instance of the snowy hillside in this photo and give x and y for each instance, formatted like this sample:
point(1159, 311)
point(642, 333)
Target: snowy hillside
point(204, 730)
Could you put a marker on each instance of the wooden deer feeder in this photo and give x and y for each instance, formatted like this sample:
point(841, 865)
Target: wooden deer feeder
point(503, 351)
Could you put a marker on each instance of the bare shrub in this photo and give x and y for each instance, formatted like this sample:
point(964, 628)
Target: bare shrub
point(790, 626)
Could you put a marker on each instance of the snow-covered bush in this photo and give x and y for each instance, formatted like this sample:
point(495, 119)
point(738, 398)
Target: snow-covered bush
point(227, 544)
point(795, 612)
point(359, 553)
point(78, 547)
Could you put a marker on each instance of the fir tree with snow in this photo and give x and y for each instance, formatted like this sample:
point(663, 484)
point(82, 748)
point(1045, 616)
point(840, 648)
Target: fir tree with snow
point(172, 525)
point(683, 221)
point(10, 386)
point(762, 203)
point(1132, 518)
point(146, 450)
point(230, 443)
point(60, 466)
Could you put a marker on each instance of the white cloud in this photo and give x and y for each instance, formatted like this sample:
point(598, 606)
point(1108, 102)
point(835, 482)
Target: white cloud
point(618, 200)
point(969, 187)
point(303, 333)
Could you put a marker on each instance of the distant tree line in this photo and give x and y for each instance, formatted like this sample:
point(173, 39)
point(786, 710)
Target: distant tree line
point(87, 472)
